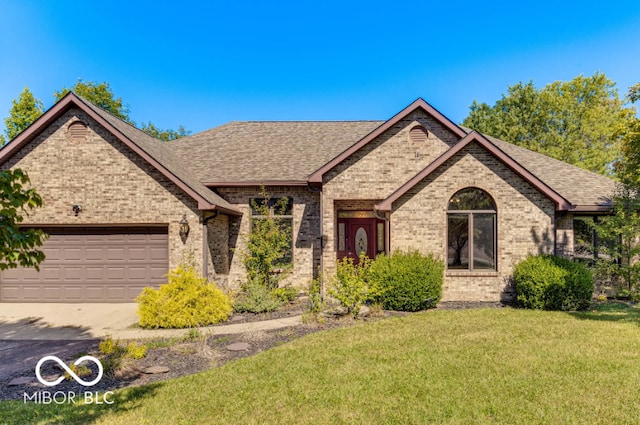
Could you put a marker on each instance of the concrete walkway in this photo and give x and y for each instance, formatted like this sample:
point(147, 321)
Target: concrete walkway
point(57, 321)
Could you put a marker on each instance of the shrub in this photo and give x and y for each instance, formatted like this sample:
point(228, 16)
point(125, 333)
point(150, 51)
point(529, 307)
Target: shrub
point(268, 252)
point(548, 282)
point(349, 285)
point(136, 351)
point(256, 298)
point(406, 281)
point(186, 301)
point(115, 355)
point(315, 296)
point(285, 294)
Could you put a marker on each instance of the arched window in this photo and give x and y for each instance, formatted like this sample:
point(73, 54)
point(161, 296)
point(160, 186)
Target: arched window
point(471, 231)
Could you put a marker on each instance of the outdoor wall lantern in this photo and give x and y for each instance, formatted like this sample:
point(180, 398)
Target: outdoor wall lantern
point(184, 227)
point(76, 209)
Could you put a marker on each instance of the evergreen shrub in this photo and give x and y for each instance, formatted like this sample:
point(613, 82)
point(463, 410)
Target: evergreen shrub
point(187, 300)
point(406, 281)
point(548, 282)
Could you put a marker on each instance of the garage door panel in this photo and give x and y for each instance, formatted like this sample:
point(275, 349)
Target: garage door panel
point(115, 254)
point(138, 253)
point(72, 254)
point(91, 264)
point(94, 293)
point(93, 254)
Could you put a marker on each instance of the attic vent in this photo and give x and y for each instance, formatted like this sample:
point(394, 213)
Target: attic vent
point(418, 134)
point(77, 132)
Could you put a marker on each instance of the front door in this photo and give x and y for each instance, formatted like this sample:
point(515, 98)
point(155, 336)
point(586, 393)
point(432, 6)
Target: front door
point(360, 236)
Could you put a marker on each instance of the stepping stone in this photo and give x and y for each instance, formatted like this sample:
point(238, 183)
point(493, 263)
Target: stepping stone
point(155, 370)
point(238, 346)
point(23, 380)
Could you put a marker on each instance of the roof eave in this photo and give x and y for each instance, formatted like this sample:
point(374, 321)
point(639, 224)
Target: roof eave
point(594, 209)
point(72, 100)
point(251, 183)
point(316, 176)
point(562, 204)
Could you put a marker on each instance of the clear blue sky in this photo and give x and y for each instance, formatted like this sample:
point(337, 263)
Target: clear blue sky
point(201, 64)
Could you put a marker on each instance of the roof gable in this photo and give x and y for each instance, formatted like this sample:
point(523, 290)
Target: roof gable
point(316, 177)
point(474, 137)
point(150, 149)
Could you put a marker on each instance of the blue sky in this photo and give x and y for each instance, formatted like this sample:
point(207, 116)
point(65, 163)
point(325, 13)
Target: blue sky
point(201, 64)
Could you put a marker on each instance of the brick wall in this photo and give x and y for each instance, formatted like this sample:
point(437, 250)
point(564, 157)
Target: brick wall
point(377, 170)
point(306, 231)
point(113, 185)
point(418, 220)
point(524, 221)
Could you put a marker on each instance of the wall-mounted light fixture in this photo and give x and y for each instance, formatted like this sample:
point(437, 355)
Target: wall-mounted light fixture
point(76, 209)
point(184, 227)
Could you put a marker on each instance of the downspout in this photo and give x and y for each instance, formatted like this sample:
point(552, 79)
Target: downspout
point(205, 242)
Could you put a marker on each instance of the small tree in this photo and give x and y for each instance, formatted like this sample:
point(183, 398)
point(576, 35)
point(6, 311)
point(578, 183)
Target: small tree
point(269, 242)
point(622, 230)
point(25, 110)
point(18, 247)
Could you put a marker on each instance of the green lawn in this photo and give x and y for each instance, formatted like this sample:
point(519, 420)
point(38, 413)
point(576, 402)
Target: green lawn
point(489, 366)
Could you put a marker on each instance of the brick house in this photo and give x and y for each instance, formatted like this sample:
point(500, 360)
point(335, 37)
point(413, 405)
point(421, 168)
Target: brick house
point(122, 208)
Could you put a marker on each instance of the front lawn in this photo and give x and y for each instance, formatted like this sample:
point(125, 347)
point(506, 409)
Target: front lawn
point(474, 366)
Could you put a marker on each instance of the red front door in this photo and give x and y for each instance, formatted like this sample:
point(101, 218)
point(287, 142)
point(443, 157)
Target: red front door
point(358, 236)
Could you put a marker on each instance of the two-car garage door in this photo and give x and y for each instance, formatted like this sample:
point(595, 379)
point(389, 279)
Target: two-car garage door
point(91, 264)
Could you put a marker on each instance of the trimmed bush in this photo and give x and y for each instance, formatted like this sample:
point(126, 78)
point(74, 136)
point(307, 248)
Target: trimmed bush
point(547, 282)
point(406, 281)
point(187, 300)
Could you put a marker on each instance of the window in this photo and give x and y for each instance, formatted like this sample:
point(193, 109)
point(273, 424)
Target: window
point(471, 231)
point(281, 211)
point(588, 245)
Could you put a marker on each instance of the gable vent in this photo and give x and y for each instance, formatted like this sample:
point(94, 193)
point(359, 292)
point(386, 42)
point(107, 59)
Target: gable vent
point(418, 134)
point(77, 132)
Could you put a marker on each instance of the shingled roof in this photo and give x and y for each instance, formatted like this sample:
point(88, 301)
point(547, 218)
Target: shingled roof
point(151, 149)
point(288, 152)
point(584, 189)
point(267, 152)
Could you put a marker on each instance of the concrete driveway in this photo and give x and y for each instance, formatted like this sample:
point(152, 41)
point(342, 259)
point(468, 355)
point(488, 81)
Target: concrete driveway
point(33, 330)
point(54, 321)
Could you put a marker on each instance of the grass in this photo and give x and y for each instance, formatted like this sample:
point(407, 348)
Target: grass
point(482, 366)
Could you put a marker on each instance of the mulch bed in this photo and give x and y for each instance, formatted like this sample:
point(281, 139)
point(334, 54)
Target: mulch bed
point(186, 357)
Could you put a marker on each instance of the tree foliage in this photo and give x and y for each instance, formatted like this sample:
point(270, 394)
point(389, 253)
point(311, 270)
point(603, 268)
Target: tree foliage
point(268, 243)
point(99, 94)
point(18, 247)
point(617, 260)
point(164, 135)
point(582, 121)
point(628, 169)
point(25, 110)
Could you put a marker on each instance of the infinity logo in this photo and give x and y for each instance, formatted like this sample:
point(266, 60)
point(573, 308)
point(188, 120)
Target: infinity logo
point(69, 371)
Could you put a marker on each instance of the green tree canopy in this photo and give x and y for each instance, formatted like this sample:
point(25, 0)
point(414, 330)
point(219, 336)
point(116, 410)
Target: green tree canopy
point(25, 110)
point(99, 94)
point(582, 121)
point(164, 135)
point(629, 167)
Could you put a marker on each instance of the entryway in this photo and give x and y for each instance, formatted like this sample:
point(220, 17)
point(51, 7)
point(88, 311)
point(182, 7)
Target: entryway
point(360, 233)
